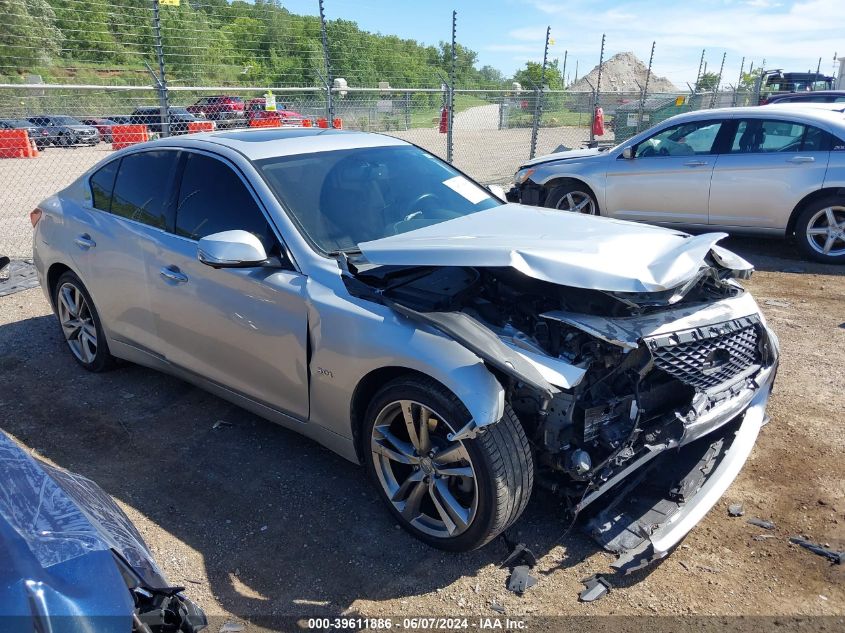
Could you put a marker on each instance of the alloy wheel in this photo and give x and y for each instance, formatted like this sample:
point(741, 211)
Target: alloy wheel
point(430, 480)
point(77, 323)
point(577, 202)
point(826, 231)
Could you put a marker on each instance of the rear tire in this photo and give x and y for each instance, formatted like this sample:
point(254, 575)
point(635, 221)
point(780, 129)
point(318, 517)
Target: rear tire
point(820, 231)
point(80, 323)
point(456, 495)
point(572, 196)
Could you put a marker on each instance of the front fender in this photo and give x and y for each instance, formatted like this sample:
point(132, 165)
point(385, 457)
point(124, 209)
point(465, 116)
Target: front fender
point(351, 337)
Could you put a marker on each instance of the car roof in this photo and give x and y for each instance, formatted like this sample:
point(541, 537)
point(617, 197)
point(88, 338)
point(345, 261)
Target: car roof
point(808, 93)
point(805, 112)
point(260, 143)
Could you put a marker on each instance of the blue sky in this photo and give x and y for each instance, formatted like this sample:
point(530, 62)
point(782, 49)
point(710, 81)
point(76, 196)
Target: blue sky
point(789, 34)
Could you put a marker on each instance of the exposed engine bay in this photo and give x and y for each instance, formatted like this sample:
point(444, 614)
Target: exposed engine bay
point(598, 383)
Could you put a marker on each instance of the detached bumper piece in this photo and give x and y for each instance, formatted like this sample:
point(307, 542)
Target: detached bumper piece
point(649, 513)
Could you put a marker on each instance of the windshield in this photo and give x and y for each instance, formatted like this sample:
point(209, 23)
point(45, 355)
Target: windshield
point(17, 123)
point(345, 197)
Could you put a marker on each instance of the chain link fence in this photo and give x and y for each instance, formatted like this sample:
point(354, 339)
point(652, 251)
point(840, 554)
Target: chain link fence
point(72, 69)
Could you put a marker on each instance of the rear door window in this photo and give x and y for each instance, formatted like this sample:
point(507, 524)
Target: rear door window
point(758, 136)
point(213, 198)
point(141, 190)
point(102, 186)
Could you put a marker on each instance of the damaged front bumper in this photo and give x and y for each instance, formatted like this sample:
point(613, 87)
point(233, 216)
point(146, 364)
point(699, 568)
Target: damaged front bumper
point(652, 510)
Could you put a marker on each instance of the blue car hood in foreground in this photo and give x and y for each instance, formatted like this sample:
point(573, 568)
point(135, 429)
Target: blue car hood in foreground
point(60, 539)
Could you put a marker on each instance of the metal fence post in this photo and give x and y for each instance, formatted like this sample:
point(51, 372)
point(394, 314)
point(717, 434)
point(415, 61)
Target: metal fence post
point(738, 83)
point(329, 80)
point(161, 80)
point(645, 89)
point(718, 81)
point(450, 93)
point(700, 67)
point(597, 95)
point(538, 101)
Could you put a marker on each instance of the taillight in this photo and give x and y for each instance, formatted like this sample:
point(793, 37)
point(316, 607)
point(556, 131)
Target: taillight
point(35, 216)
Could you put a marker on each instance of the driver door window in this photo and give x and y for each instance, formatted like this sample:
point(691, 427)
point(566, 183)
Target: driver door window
point(686, 139)
point(212, 198)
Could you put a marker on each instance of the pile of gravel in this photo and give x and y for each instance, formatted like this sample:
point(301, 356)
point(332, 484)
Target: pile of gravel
point(621, 73)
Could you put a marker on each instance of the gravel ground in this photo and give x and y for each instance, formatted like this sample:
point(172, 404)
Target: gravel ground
point(257, 521)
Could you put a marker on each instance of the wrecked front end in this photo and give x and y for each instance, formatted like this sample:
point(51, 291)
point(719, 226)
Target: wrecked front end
point(618, 391)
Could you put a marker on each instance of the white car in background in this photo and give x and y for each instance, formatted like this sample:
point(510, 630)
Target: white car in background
point(773, 170)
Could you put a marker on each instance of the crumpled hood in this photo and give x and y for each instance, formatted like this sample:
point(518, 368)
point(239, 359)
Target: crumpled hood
point(569, 249)
point(567, 155)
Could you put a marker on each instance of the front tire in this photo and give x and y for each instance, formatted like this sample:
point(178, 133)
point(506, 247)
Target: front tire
point(572, 196)
point(453, 495)
point(81, 324)
point(820, 231)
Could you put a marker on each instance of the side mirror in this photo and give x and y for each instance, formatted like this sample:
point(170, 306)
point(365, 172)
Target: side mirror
point(231, 249)
point(628, 153)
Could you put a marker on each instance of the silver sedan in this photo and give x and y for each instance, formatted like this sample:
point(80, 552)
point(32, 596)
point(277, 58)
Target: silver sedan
point(774, 170)
point(360, 291)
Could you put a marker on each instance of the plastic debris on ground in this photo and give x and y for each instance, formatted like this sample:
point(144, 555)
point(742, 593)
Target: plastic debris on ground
point(735, 510)
point(595, 587)
point(16, 275)
point(833, 556)
point(766, 525)
point(521, 579)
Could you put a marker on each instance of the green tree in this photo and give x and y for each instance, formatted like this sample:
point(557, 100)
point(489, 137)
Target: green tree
point(530, 76)
point(29, 35)
point(708, 81)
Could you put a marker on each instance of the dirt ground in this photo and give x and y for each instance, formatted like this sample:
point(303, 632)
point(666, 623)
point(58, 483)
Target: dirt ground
point(257, 521)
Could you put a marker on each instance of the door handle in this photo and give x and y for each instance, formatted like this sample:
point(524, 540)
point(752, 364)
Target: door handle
point(84, 242)
point(172, 273)
point(696, 163)
point(802, 159)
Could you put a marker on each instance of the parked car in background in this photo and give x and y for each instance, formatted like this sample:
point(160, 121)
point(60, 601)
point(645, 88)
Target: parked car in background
point(37, 133)
point(777, 82)
point(120, 119)
point(72, 560)
point(151, 117)
point(775, 170)
point(66, 131)
point(494, 345)
point(817, 96)
point(103, 126)
point(288, 118)
point(227, 111)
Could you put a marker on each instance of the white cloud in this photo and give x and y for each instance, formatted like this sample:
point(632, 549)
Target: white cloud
point(789, 34)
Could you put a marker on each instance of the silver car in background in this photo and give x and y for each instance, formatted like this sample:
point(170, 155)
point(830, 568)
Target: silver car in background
point(360, 291)
point(772, 170)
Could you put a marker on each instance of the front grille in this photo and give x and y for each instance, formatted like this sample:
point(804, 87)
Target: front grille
point(708, 356)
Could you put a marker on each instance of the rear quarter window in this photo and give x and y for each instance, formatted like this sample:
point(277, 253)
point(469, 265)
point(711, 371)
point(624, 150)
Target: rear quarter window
point(102, 185)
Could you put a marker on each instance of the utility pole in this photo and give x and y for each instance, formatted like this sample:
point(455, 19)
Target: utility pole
point(161, 80)
point(538, 101)
point(563, 73)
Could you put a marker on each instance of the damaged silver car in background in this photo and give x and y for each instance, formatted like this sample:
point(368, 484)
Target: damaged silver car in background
point(359, 290)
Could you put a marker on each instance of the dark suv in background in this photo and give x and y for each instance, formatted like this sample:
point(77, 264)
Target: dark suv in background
point(65, 131)
point(227, 111)
point(41, 135)
point(151, 117)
